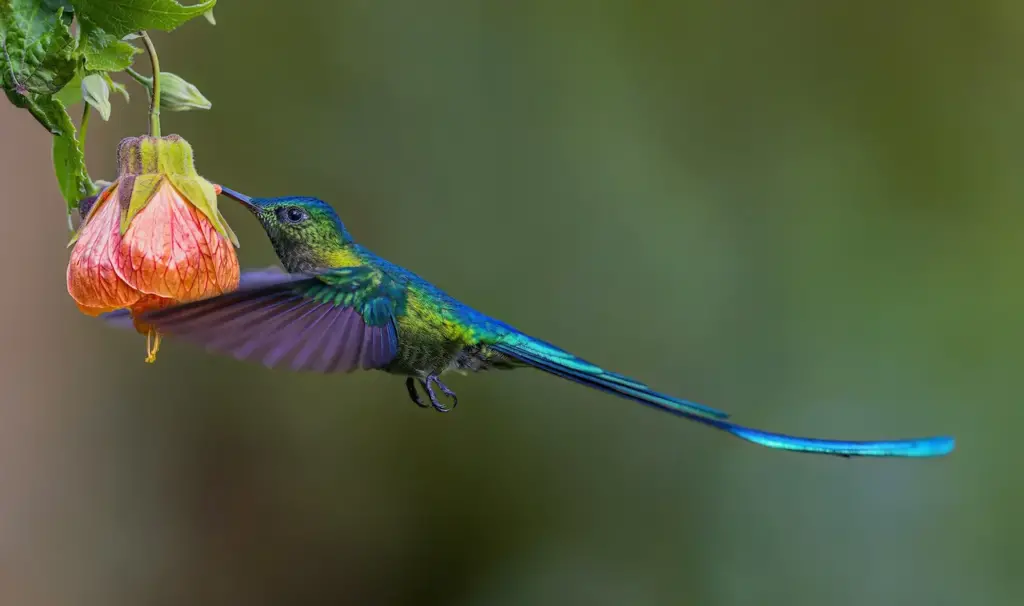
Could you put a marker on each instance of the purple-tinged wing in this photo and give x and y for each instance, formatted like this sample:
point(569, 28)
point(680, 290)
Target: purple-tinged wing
point(121, 318)
point(279, 323)
point(118, 319)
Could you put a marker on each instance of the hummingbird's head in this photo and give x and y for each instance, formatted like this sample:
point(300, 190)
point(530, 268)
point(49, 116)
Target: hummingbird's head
point(306, 232)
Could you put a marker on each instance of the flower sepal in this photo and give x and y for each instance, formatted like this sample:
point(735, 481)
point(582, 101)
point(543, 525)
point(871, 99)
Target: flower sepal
point(147, 161)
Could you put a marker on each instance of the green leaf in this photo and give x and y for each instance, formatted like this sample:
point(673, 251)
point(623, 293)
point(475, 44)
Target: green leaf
point(72, 91)
point(53, 5)
point(69, 163)
point(104, 52)
point(37, 49)
point(45, 109)
point(122, 17)
point(97, 94)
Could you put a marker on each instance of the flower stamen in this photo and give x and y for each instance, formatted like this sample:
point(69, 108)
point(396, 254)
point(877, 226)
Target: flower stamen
point(152, 345)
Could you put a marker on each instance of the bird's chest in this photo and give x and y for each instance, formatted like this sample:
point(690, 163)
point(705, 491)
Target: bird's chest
point(430, 337)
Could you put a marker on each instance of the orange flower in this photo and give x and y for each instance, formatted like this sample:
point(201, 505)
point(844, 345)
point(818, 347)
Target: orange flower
point(152, 238)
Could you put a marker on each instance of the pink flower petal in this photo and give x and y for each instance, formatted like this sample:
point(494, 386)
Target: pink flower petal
point(172, 251)
point(92, 279)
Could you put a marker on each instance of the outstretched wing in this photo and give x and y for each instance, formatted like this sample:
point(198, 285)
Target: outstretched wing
point(335, 321)
point(122, 318)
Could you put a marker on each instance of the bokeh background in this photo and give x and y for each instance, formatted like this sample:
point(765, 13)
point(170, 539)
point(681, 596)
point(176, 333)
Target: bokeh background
point(806, 213)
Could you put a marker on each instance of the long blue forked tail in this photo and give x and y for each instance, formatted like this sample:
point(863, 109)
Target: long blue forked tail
point(553, 360)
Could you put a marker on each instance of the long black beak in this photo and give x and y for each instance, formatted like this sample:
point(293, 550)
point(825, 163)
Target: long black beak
point(244, 199)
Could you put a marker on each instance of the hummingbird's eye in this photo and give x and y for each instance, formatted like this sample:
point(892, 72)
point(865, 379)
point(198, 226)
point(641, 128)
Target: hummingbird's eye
point(292, 214)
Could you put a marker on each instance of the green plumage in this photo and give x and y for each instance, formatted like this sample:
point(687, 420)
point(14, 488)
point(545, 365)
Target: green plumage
point(340, 307)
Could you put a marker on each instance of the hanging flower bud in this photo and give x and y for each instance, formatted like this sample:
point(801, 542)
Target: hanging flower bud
point(96, 92)
point(176, 93)
point(152, 238)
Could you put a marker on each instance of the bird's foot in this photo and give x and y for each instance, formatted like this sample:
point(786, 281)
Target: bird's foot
point(410, 384)
point(428, 384)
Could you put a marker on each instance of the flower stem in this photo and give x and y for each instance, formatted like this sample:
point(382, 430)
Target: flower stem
point(144, 81)
point(83, 129)
point(154, 102)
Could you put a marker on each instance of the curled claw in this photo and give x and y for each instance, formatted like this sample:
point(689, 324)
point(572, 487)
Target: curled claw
point(428, 384)
point(410, 384)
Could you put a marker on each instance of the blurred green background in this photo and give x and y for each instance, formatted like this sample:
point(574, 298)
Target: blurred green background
point(806, 213)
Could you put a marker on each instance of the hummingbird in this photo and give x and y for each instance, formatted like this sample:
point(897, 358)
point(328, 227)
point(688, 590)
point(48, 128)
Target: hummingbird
point(337, 307)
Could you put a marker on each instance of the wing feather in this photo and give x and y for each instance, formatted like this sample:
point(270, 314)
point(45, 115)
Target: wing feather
point(336, 321)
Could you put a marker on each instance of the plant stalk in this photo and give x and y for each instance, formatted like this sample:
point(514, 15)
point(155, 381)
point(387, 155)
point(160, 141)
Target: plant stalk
point(144, 81)
point(83, 128)
point(154, 101)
